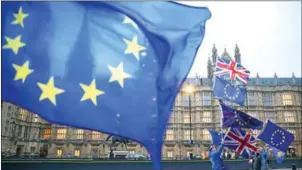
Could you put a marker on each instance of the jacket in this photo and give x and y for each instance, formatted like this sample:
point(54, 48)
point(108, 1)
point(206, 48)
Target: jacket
point(217, 162)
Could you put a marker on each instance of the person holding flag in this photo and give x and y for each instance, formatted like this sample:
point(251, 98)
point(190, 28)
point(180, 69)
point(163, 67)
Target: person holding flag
point(215, 157)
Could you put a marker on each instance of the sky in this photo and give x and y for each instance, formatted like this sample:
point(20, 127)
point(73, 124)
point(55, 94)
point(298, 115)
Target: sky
point(268, 35)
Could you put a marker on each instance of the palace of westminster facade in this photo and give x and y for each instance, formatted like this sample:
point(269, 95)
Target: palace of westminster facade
point(277, 99)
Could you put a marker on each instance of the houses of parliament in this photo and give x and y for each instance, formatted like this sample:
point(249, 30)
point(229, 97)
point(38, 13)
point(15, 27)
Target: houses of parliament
point(274, 98)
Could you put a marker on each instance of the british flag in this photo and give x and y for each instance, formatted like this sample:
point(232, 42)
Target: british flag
point(231, 70)
point(241, 142)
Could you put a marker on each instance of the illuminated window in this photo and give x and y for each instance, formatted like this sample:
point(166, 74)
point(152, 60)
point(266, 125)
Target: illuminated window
point(187, 135)
point(59, 152)
point(186, 118)
point(169, 134)
point(79, 134)
point(47, 133)
point(268, 99)
point(77, 152)
point(170, 154)
point(205, 134)
point(287, 99)
point(289, 117)
point(23, 114)
point(131, 151)
point(96, 135)
point(36, 118)
point(61, 133)
point(206, 98)
point(206, 117)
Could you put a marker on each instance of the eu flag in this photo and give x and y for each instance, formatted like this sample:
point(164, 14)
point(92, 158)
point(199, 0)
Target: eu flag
point(238, 119)
point(216, 137)
point(224, 90)
point(279, 155)
point(113, 67)
point(276, 136)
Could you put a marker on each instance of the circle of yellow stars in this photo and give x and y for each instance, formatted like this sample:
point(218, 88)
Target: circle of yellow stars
point(49, 90)
point(242, 123)
point(228, 96)
point(273, 136)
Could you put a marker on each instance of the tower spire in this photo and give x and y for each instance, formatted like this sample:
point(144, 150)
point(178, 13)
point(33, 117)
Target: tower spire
point(237, 54)
point(210, 68)
point(226, 55)
point(214, 54)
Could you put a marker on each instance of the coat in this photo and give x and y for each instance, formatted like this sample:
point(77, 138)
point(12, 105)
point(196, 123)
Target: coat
point(264, 158)
point(217, 162)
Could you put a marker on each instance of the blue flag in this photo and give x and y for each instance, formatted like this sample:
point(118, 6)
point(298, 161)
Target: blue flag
point(238, 119)
point(216, 137)
point(114, 67)
point(278, 155)
point(224, 90)
point(276, 136)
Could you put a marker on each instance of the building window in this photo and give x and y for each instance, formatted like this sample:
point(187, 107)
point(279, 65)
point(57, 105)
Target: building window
point(59, 152)
point(169, 134)
point(254, 114)
point(289, 117)
point(206, 98)
point(252, 99)
point(270, 116)
point(187, 135)
point(61, 133)
point(96, 135)
point(79, 134)
point(186, 118)
point(131, 151)
point(207, 117)
point(36, 118)
point(287, 99)
point(19, 130)
point(77, 152)
point(170, 154)
point(47, 133)
point(205, 134)
point(185, 100)
point(23, 114)
point(26, 129)
point(268, 99)
point(292, 131)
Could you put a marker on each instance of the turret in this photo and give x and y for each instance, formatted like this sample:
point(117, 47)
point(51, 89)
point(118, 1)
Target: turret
point(226, 55)
point(214, 54)
point(210, 69)
point(237, 54)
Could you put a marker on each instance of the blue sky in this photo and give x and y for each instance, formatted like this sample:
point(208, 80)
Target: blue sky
point(267, 33)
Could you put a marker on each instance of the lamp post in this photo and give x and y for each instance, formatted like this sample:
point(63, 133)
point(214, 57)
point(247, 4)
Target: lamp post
point(189, 89)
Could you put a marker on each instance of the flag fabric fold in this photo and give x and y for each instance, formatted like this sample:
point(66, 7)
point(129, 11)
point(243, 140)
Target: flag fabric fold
point(216, 137)
point(278, 155)
point(238, 119)
point(276, 136)
point(222, 89)
point(113, 67)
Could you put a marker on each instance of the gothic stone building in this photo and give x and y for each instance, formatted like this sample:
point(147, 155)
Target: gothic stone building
point(277, 99)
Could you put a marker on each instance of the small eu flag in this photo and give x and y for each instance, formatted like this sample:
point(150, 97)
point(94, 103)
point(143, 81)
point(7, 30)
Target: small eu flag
point(225, 90)
point(279, 155)
point(276, 136)
point(113, 67)
point(216, 137)
point(238, 119)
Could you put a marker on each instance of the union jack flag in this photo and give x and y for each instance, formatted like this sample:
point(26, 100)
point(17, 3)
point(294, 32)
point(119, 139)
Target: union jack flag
point(241, 142)
point(232, 70)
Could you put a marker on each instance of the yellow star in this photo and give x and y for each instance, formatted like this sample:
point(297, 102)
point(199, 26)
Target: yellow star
point(91, 92)
point(20, 16)
point(49, 91)
point(22, 71)
point(127, 20)
point(14, 44)
point(118, 74)
point(133, 47)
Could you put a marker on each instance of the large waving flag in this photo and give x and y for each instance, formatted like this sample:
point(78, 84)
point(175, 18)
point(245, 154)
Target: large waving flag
point(241, 142)
point(216, 137)
point(238, 119)
point(113, 67)
point(276, 136)
point(224, 90)
point(231, 70)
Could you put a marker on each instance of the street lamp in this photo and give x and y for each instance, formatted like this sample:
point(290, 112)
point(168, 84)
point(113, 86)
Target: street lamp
point(189, 89)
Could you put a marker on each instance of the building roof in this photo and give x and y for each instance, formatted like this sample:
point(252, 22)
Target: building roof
point(253, 81)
